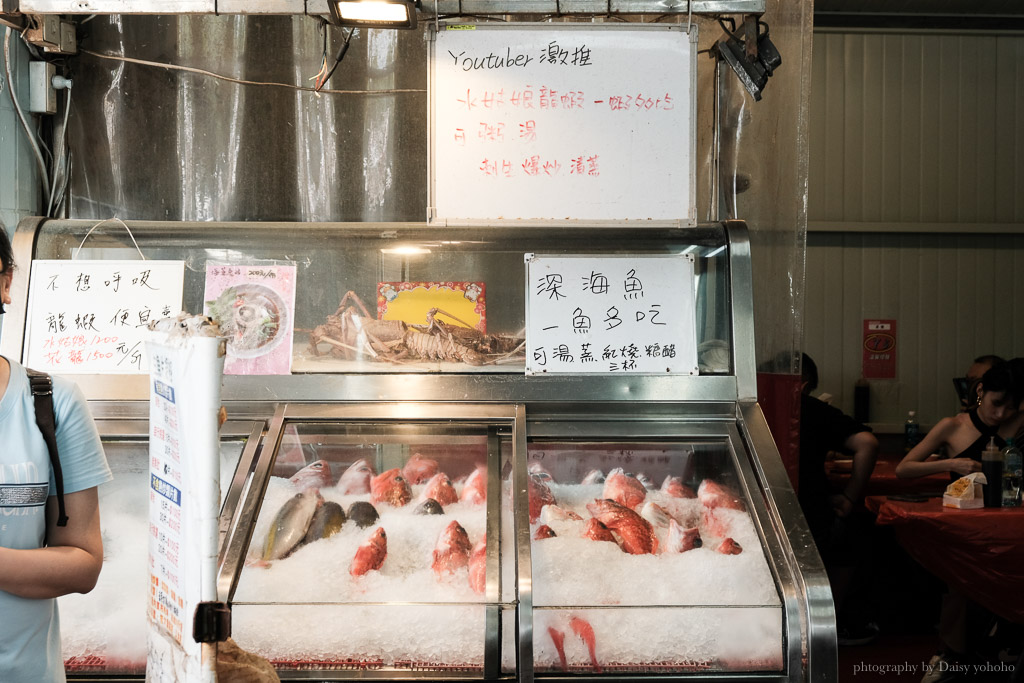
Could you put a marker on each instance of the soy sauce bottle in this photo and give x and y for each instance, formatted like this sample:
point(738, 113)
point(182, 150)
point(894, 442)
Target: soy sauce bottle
point(911, 432)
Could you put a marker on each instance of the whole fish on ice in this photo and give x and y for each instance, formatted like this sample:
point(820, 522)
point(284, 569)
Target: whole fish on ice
point(440, 488)
point(680, 540)
point(674, 487)
point(363, 514)
point(390, 487)
point(542, 532)
point(316, 475)
point(539, 470)
point(624, 489)
point(582, 628)
point(290, 524)
point(540, 495)
point(635, 533)
point(558, 638)
point(371, 554)
point(713, 495)
point(593, 477)
point(596, 531)
point(452, 550)
point(327, 521)
point(475, 489)
point(356, 479)
point(478, 566)
point(656, 515)
point(419, 469)
point(729, 547)
point(429, 507)
point(553, 513)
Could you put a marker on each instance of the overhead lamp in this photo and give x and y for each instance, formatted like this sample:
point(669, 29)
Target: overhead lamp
point(373, 13)
point(754, 58)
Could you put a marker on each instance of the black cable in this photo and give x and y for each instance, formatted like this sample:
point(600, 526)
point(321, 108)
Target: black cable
point(731, 32)
point(337, 60)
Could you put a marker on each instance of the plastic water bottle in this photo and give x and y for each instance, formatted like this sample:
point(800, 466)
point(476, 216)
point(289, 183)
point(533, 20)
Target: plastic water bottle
point(911, 432)
point(1011, 474)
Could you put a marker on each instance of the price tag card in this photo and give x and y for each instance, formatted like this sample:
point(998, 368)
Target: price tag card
point(610, 314)
point(92, 316)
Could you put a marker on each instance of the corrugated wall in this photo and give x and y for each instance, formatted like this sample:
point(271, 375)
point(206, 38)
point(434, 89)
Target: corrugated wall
point(916, 210)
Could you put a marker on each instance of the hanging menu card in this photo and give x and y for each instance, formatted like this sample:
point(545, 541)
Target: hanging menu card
point(610, 314)
point(91, 316)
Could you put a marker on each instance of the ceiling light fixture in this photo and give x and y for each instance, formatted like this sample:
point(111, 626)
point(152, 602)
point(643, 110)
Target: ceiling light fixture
point(373, 13)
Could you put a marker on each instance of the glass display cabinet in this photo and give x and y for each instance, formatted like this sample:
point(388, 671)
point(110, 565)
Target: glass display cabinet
point(409, 503)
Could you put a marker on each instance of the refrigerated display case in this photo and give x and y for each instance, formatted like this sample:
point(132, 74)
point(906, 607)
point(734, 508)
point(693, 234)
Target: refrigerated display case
point(602, 526)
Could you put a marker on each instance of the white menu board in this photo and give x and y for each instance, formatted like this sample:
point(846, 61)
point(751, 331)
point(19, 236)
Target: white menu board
point(184, 501)
point(610, 314)
point(560, 122)
point(92, 316)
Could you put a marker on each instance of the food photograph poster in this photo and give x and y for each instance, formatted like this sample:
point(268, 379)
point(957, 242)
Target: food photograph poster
point(254, 306)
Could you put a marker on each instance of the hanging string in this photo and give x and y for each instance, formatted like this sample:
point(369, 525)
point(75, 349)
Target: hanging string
point(75, 252)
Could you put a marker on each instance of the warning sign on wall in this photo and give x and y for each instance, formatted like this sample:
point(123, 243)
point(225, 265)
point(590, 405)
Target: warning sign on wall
point(879, 349)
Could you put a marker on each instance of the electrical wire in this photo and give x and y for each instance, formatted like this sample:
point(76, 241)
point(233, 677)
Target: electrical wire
point(337, 60)
point(44, 176)
point(203, 72)
point(323, 58)
point(59, 149)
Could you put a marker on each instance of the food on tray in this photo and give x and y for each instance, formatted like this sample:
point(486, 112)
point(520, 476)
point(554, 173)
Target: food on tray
point(352, 332)
point(250, 316)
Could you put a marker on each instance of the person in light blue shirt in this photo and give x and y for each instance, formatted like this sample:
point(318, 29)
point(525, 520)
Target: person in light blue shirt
point(39, 560)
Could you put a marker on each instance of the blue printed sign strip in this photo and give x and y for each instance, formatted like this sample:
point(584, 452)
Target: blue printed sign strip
point(164, 390)
point(165, 489)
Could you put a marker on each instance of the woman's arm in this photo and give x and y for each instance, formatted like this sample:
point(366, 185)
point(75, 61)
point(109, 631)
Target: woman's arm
point(916, 463)
point(71, 561)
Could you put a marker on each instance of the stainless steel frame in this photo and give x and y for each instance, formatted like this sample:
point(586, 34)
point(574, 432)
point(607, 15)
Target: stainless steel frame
point(240, 511)
point(708, 406)
point(447, 7)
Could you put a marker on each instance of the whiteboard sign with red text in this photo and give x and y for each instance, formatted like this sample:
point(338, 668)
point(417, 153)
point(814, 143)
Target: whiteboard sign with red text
point(555, 123)
point(92, 316)
point(879, 349)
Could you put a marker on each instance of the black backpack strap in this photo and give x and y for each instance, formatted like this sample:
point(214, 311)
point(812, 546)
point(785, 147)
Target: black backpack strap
point(42, 392)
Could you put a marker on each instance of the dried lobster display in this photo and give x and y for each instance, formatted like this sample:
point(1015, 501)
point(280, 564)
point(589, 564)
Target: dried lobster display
point(351, 332)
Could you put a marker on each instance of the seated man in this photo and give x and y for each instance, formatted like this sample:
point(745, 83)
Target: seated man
point(838, 533)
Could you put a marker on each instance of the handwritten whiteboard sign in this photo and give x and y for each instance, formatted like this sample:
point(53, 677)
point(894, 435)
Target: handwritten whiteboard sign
point(91, 316)
point(610, 314)
point(556, 123)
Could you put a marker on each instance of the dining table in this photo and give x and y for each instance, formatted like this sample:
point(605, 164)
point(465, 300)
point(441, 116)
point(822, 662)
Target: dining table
point(978, 551)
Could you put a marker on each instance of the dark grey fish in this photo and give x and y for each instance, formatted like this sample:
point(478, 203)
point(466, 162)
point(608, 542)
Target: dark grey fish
point(290, 524)
point(362, 513)
point(327, 521)
point(429, 507)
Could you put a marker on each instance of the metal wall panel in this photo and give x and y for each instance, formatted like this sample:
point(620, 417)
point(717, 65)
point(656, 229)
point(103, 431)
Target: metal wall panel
point(19, 177)
point(953, 296)
point(916, 210)
point(920, 128)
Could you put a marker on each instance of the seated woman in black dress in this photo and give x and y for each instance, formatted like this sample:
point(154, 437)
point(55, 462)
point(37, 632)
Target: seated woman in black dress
point(996, 414)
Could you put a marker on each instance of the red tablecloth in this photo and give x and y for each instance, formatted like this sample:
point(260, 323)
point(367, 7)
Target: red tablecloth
point(980, 552)
point(883, 481)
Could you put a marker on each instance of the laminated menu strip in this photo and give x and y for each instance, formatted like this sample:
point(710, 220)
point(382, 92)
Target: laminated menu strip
point(562, 123)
